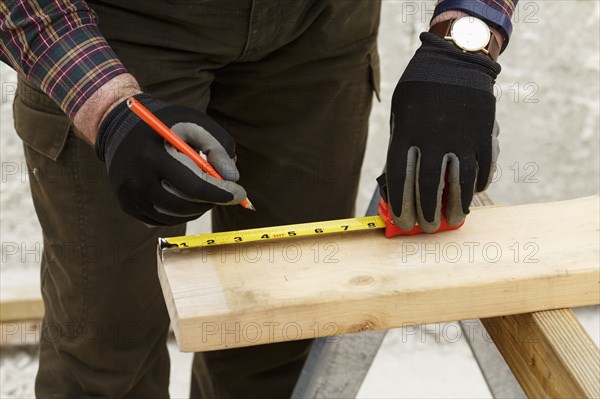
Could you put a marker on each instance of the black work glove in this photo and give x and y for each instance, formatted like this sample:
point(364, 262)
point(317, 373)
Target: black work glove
point(155, 183)
point(443, 120)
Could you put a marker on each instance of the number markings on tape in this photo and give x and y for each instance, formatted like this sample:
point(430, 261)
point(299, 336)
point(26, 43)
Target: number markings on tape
point(270, 233)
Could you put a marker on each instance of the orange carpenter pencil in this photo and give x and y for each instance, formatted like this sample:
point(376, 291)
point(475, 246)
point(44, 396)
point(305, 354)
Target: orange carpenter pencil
point(151, 120)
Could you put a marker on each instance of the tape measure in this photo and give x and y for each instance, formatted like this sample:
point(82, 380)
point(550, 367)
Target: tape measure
point(381, 221)
point(273, 233)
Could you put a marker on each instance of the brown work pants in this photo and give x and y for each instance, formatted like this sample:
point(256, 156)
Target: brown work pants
point(292, 82)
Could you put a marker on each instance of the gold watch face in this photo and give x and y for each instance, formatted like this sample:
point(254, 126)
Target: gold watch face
point(470, 34)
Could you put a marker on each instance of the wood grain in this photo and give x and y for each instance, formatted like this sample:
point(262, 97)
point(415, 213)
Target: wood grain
point(22, 302)
point(505, 260)
point(538, 346)
point(549, 353)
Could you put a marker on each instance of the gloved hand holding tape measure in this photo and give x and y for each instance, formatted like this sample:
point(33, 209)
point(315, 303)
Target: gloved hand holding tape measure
point(443, 135)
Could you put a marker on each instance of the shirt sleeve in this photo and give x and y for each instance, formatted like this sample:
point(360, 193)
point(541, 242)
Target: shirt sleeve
point(506, 7)
point(56, 44)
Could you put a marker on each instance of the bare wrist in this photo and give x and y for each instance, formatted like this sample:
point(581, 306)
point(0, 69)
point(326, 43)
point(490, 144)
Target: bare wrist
point(88, 118)
point(454, 14)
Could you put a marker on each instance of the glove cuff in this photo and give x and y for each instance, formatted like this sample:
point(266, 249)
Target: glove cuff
point(118, 123)
point(439, 61)
point(484, 62)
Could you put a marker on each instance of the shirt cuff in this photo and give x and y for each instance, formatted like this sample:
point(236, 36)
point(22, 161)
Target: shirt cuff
point(75, 66)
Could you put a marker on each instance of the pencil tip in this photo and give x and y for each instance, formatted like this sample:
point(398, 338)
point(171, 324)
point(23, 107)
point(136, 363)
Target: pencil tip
point(248, 205)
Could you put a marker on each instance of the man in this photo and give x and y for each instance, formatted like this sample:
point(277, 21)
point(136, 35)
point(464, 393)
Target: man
point(283, 88)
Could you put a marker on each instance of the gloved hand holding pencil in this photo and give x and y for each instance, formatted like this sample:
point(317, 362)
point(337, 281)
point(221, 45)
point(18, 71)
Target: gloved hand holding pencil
point(153, 181)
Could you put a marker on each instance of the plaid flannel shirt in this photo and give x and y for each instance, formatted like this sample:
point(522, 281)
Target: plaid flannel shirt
point(57, 45)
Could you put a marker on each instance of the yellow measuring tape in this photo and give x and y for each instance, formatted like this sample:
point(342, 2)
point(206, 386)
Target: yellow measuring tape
point(275, 232)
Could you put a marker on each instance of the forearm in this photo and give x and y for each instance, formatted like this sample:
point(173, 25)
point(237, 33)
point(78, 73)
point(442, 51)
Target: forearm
point(87, 119)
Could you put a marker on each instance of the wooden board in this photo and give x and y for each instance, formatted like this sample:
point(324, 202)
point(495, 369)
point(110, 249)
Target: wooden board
point(549, 353)
point(505, 260)
point(21, 302)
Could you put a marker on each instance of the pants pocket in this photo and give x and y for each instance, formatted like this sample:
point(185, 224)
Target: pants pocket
point(39, 122)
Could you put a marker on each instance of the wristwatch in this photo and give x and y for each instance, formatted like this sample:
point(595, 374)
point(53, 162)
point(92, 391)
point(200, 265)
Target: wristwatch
point(470, 34)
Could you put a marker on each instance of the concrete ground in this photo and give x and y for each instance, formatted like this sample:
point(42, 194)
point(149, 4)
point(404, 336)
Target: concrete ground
point(548, 109)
